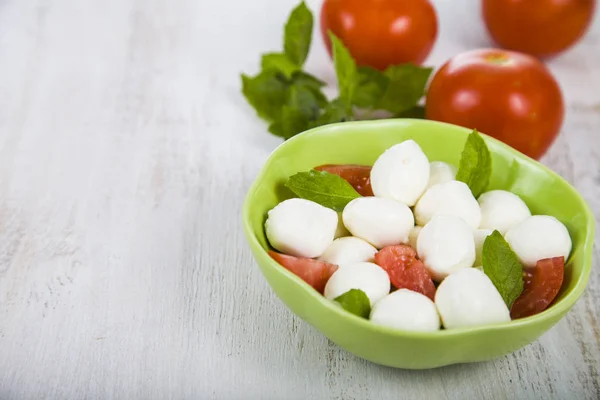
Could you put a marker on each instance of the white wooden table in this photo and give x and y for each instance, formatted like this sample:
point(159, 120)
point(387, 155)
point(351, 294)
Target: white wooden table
point(126, 150)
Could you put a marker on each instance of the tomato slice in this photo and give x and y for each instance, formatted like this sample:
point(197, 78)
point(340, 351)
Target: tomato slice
point(405, 270)
point(542, 284)
point(359, 176)
point(315, 273)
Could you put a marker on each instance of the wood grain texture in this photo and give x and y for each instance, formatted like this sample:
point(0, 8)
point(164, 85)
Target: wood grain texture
point(125, 152)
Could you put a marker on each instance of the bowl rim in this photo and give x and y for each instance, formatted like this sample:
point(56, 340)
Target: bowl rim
point(555, 311)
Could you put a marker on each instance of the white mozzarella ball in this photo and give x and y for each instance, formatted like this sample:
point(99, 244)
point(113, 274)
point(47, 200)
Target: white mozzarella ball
point(469, 298)
point(501, 210)
point(539, 237)
point(401, 173)
point(341, 230)
point(413, 236)
point(440, 172)
point(349, 250)
point(449, 198)
point(365, 276)
point(406, 310)
point(445, 245)
point(480, 235)
point(381, 222)
point(300, 227)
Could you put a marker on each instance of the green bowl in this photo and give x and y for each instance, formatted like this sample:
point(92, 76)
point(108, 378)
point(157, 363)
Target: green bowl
point(361, 143)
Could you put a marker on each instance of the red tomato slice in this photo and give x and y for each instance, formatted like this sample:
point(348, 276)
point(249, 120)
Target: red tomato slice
point(542, 284)
point(405, 270)
point(315, 273)
point(359, 176)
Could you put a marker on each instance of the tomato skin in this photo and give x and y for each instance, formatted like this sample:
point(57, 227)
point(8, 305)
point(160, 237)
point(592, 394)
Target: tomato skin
point(542, 284)
point(380, 33)
point(510, 96)
point(541, 28)
point(405, 270)
point(315, 273)
point(359, 176)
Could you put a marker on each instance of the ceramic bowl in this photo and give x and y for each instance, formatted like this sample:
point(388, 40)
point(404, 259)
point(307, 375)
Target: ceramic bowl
point(361, 143)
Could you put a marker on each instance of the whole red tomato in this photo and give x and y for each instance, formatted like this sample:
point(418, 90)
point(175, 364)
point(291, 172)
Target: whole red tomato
point(379, 33)
point(538, 27)
point(508, 95)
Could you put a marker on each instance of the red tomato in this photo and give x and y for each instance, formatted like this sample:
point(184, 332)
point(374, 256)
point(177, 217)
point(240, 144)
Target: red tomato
point(380, 33)
point(505, 94)
point(359, 176)
point(538, 27)
point(405, 270)
point(315, 273)
point(542, 284)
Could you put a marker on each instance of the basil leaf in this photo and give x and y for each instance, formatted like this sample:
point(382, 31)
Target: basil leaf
point(306, 79)
point(304, 100)
point(324, 188)
point(302, 107)
point(298, 34)
point(406, 86)
point(475, 165)
point(503, 268)
point(294, 121)
point(370, 88)
point(335, 111)
point(356, 302)
point(345, 69)
point(279, 62)
point(266, 92)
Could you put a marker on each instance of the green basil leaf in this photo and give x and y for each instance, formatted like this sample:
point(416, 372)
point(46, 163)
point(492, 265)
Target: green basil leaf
point(356, 302)
point(266, 92)
point(370, 89)
point(406, 86)
point(324, 188)
point(475, 167)
point(279, 62)
point(308, 99)
point(333, 112)
point(345, 69)
point(503, 268)
point(294, 121)
point(303, 78)
point(301, 109)
point(298, 34)
point(276, 128)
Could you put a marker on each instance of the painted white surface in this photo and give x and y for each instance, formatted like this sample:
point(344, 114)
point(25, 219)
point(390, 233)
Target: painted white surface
point(125, 152)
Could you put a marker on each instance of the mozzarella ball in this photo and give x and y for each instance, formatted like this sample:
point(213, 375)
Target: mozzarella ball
point(445, 245)
point(406, 310)
point(539, 237)
point(368, 277)
point(401, 173)
point(440, 172)
point(341, 230)
point(501, 210)
point(300, 227)
point(413, 236)
point(348, 250)
point(480, 235)
point(449, 198)
point(381, 222)
point(469, 298)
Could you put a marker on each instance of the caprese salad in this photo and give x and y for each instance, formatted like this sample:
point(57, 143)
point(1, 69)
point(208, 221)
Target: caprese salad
point(419, 245)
